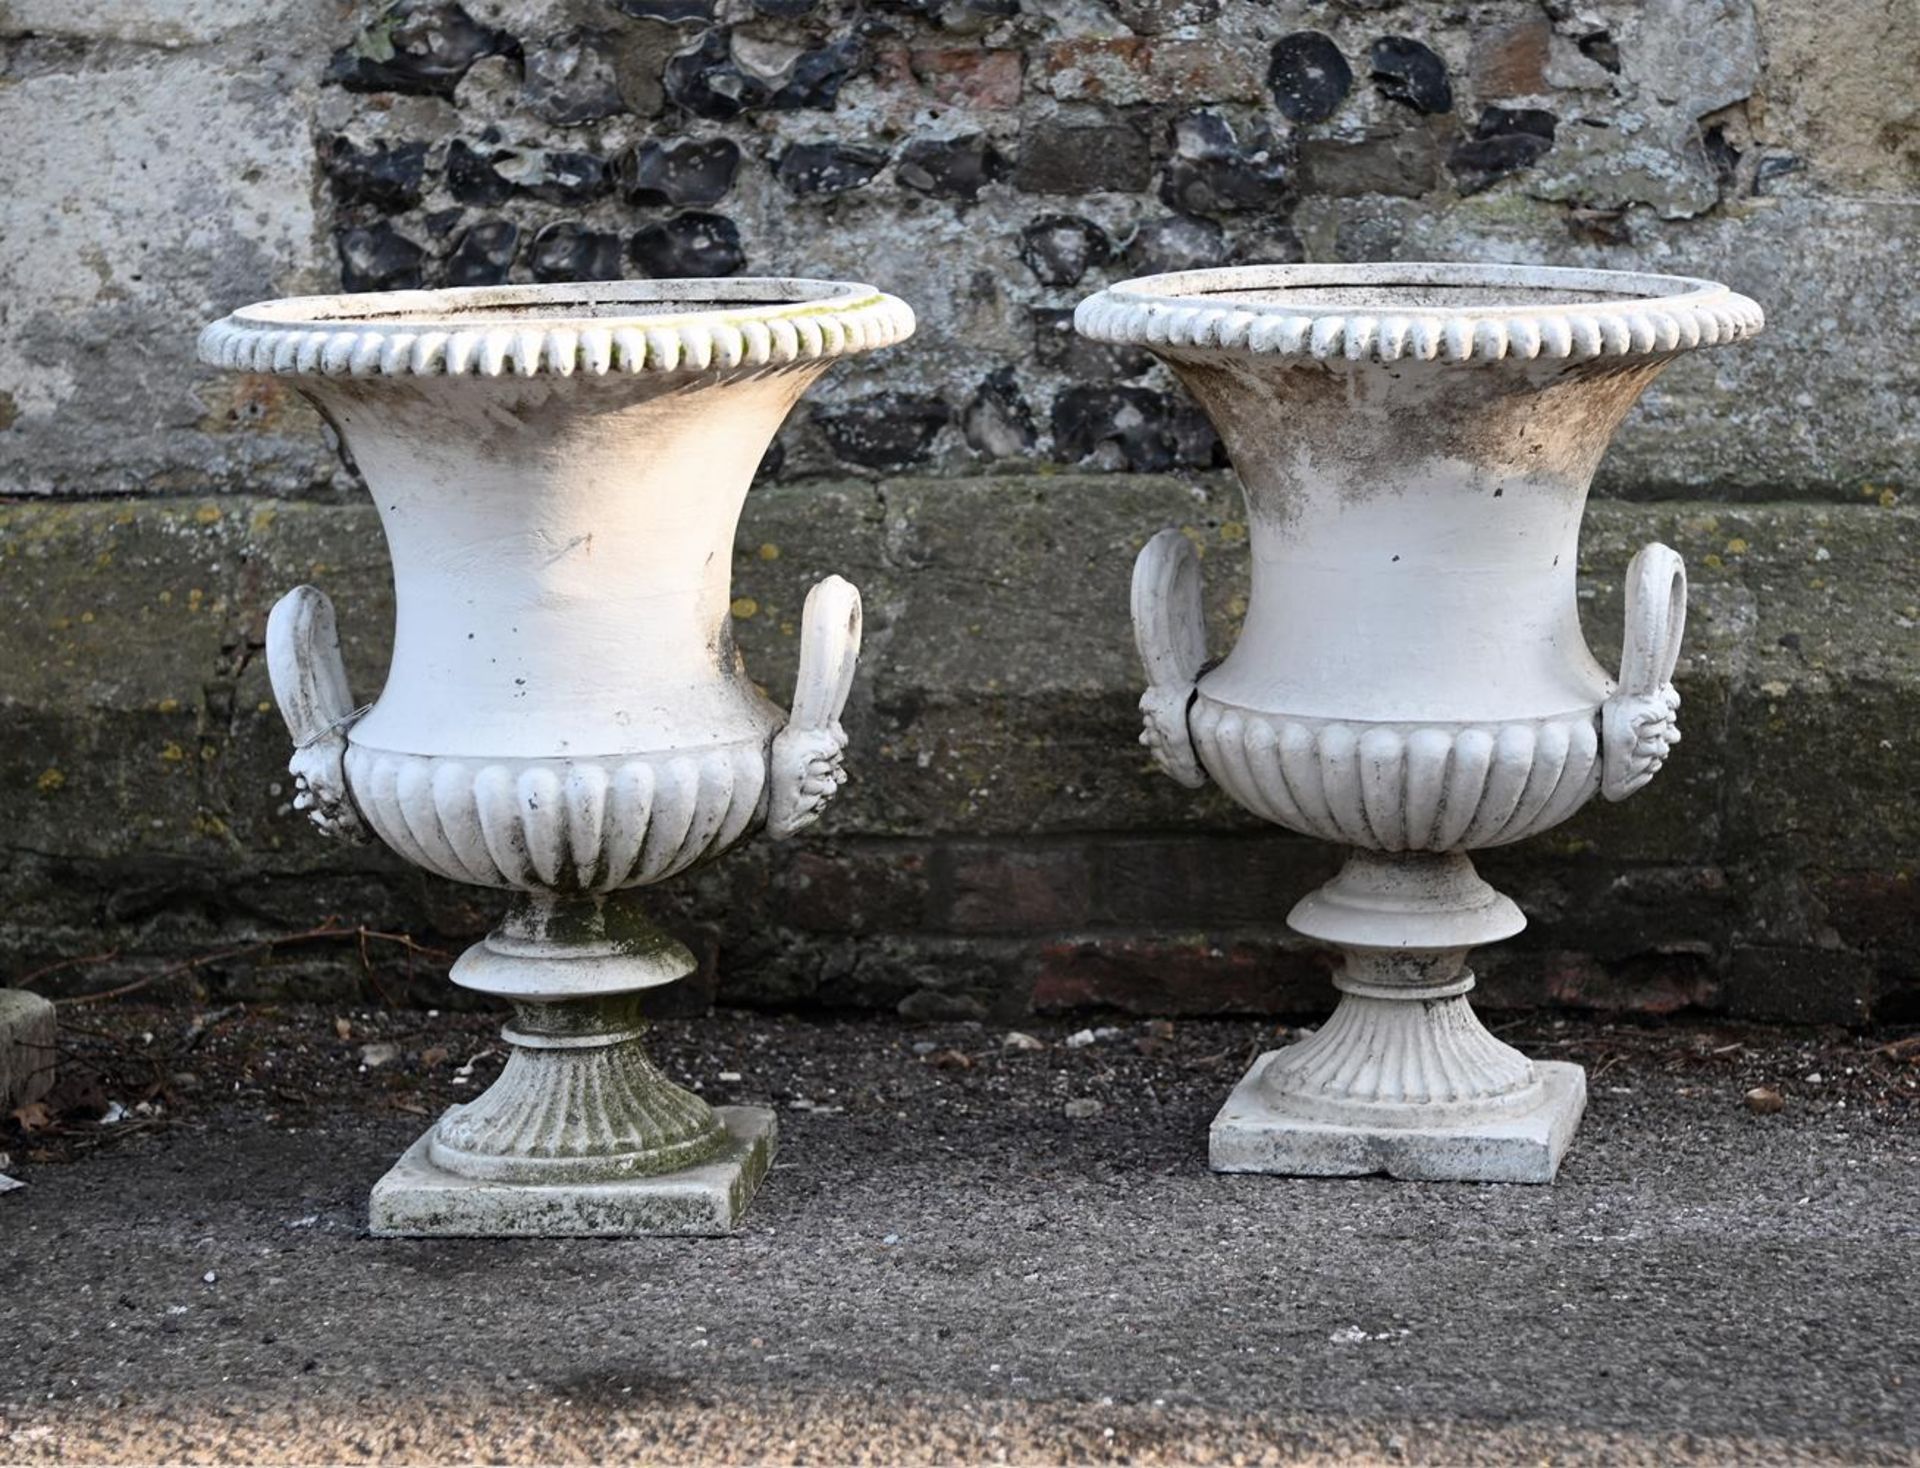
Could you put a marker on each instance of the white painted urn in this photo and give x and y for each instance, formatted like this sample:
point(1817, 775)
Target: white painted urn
point(559, 471)
point(1416, 443)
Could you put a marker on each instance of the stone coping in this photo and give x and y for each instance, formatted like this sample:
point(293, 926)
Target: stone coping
point(1419, 312)
point(589, 329)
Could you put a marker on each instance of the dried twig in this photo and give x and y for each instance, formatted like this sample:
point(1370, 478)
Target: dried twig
point(330, 929)
point(106, 1136)
point(366, 967)
point(26, 980)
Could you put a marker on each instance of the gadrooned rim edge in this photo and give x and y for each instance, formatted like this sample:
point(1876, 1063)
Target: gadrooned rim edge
point(819, 321)
point(1162, 312)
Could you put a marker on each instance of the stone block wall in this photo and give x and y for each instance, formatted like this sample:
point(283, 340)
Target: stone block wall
point(992, 161)
point(1004, 843)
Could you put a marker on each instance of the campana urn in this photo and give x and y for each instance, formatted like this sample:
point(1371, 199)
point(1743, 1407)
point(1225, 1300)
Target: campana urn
point(559, 471)
point(1411, 682)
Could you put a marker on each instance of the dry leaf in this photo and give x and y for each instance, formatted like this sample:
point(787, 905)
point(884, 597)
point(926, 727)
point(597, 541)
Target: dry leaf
point(34, 1117)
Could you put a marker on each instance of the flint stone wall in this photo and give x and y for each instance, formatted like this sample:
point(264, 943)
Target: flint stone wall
point(992, 161)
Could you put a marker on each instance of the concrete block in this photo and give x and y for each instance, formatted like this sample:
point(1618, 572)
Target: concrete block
point(418, 1200)
point(1253, 1133)
point(26, 1048)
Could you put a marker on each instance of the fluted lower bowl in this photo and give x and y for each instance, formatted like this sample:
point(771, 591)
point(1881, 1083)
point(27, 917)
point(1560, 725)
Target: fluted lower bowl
point(1401, 787)
point(561, 825)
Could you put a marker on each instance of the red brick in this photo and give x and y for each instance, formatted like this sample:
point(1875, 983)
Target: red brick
point(1130, 70)
point(1208, 882)
point(1873, 910)
point(1176, 976)
point(853, 889)
point(1512, 62)
point(970, 77)
point(997, 889)
point(1652, 983)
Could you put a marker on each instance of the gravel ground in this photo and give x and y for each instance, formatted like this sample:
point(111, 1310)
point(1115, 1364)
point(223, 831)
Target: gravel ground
point(950, 1262)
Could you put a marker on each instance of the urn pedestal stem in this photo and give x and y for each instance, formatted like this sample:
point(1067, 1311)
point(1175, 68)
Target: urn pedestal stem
point(581, 1132)
point(578, 1101)
point(1403, 1079)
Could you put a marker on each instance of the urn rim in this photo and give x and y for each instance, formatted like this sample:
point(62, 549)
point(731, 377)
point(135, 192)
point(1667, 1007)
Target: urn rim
point(1450, 312)
point(589, 328)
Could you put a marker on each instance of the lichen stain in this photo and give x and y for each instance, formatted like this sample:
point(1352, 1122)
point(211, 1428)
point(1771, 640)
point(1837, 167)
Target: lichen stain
point(247, 402)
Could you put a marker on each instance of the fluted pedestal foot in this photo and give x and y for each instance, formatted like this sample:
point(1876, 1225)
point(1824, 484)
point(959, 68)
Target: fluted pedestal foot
point(581, 1133)
point(1403, 1079)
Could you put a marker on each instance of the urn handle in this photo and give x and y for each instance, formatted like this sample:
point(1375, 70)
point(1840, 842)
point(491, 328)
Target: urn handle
point(1170, 629)
point(808, 754)
point(1639, 723)
point(310, 685)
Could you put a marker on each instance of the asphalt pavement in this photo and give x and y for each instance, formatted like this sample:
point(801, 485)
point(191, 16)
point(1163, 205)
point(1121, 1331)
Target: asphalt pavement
point(951, 1263)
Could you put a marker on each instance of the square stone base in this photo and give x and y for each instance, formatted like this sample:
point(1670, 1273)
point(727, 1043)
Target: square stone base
point(1254, 1134)
point(418, 1200)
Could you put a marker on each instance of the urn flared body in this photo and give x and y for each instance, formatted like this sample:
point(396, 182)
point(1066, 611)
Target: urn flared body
point(1411, 681)
point(559, 472)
